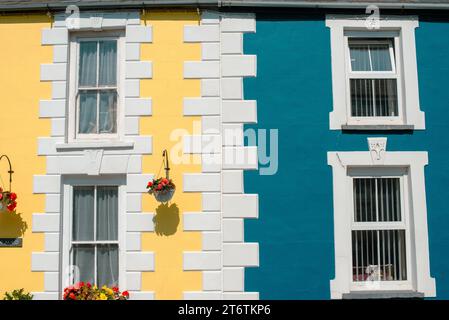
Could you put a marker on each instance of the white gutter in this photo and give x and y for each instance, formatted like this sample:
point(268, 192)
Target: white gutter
point(59, 5)
point(332, 5)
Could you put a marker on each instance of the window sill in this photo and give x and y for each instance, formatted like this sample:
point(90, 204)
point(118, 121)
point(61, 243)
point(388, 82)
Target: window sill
point(380, 127)
point(393, 294)
point(94, 145)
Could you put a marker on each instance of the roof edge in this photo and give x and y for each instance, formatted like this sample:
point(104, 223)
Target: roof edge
point(61, 5)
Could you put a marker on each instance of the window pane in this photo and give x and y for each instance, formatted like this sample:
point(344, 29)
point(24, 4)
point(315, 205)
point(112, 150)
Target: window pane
point(377, 199)
point(107, 265)
point(108, 112)
point(359, 57)
point(84, 260)
point(364, 199)
point(389, 199)
point(107, 213)
point(88, 64)
point(370, 56)
point(392, 255)
point(88, 112)
point(83, 213)
point(380, 57)
point(361, 98)
point(378, 255)
point(108, 63)
point(386, 98)
point(374, 98)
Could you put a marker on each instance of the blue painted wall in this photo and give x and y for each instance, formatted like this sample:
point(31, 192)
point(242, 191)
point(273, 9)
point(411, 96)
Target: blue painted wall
point(293, 90)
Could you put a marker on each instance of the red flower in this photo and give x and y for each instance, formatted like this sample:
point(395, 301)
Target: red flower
point(1, 195)
point(11, 207)
point(125, 293)
point(164, 181)
point(72, 296)
point(150, 184)
point(89, 285)
point(12, 196)
point(115, 289)
point(81, 284)
point(159, 186)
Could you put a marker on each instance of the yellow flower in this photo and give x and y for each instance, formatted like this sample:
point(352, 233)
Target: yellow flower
point(103, 296)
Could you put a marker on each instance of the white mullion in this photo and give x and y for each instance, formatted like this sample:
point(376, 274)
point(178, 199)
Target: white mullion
point(379, 225)
point(77, 87)
point(395, 244)
point(376, 198)
point(392, 56)
point(364, 192)
point(378, 253)
point(398, 69)
point(95, 242)
point(373, 75)
point(404, 196)
point(399, 254)
point(96, 88)
point(356, 255)
point(373, 87)
point(95, 234)
point(363, 252)
point(97, 84)
point(369, 58)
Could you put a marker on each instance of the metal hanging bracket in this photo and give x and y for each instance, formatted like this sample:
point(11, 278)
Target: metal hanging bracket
point(167, 167)
point(10, 169)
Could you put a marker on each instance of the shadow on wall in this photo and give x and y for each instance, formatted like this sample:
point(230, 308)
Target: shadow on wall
point(12, 225)
point(166, 220)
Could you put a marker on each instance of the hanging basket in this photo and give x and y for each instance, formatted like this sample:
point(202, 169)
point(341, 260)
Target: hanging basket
point(164, 195)
point(162, 188)
point(8, 201)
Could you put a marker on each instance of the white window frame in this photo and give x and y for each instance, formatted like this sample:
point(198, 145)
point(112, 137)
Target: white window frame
point(404, 224)
point(394, 74)
point(67, 222)
point(402, 30)
point(75, 38)
point(419, 280)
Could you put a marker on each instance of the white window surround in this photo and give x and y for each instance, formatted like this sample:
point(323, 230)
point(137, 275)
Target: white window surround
point(75, 38)
point(67, 189)
point(403, 31)
point(422, 284)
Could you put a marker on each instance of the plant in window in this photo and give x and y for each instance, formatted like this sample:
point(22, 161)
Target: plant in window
point(87, 291)
point(18, 294)
point(162, 188)
point(7, 201)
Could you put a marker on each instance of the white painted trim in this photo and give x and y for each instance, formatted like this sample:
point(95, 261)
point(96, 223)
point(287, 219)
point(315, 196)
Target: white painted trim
point(221, 183)
point(99, 159)
point(73, 98)
point(406, 59)
point(414, 163)
point(68, 184)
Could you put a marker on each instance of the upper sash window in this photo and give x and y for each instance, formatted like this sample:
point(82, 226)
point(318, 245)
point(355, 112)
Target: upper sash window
point(95, 83)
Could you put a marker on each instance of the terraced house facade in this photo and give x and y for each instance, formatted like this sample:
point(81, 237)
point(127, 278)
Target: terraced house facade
point(306, 140)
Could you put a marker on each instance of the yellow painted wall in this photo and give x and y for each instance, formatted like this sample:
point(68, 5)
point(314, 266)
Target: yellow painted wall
point(167, 88)
point(21, 54)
